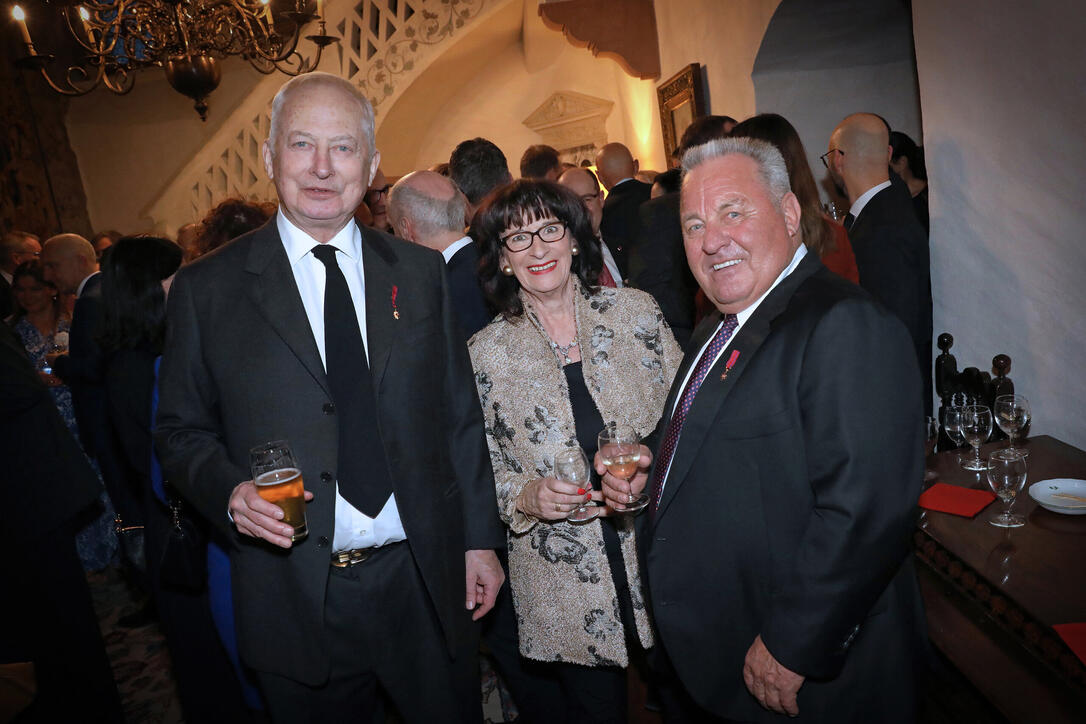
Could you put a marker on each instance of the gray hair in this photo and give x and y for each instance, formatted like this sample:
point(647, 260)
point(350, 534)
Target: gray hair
point(326, 80)
point(771, 166)
point(430, 215)
point(13, 242)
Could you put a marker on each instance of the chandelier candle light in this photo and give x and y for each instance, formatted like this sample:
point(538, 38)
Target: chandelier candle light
point(184, 37)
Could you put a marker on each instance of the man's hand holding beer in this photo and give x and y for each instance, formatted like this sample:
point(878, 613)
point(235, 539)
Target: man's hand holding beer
point(618, 491)
point(256, 517)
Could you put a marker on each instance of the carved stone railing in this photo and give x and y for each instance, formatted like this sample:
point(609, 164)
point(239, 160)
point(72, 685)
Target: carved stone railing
point(384, 45)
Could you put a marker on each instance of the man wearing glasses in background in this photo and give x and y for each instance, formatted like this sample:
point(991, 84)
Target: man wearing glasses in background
point(16, 247)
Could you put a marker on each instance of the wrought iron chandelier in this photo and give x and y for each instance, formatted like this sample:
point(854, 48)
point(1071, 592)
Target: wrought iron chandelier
point(186, 38)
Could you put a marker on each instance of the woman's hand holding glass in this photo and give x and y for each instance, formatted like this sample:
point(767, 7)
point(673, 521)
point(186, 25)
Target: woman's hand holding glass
point(618, 492)
point(551, 499)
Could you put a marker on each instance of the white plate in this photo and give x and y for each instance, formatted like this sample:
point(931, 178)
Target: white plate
point(1043, 491)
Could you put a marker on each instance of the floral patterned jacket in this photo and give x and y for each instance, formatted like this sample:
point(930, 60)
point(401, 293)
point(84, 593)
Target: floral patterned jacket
point(564, 595)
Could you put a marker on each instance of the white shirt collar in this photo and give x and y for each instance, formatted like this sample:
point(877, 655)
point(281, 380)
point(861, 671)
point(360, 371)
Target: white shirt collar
point(796, 259)
point(865, 197)
point(10, 279)
point(618, 183)
point(450, 250)
point(82, 284)
point(298, 243)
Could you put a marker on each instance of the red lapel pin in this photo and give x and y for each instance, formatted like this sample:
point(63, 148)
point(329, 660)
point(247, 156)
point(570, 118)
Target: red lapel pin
point(731, 363)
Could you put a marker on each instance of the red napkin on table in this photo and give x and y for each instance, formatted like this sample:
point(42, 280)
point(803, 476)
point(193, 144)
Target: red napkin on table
point(955, 499)
point(1074, 635)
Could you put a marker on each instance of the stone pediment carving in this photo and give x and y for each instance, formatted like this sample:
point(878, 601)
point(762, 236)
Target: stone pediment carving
point(568, 120)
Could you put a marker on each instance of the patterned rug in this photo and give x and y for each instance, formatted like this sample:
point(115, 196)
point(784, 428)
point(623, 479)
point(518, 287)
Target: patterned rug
point(141, 662)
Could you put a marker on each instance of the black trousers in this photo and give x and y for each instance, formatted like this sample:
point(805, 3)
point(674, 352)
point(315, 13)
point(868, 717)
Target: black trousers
point(383, 635)
point(47, 616)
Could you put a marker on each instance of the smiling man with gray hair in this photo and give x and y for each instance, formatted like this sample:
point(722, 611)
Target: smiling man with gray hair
point(791, 459)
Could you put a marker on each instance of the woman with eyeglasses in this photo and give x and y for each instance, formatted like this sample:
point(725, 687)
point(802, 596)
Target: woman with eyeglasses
point(563, 359)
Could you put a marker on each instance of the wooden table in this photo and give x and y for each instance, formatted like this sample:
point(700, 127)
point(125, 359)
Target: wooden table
point(992, 594)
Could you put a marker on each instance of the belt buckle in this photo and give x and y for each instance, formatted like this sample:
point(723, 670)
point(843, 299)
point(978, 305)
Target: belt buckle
point(351, 558)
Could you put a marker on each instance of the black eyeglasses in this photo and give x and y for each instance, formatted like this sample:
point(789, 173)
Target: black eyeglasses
point(827, 153)
point(551, 232)
point(383, 191)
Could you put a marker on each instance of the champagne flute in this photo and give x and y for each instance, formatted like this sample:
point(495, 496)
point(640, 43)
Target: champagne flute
point(952, 423)
point(1007, 476)
point(1012, 414)
point(976, 427)
point(571, 466)
point(620, 450)
point(931, 436)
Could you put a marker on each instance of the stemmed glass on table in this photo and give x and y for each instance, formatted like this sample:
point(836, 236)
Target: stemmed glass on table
point(620, 451)
point(1012, 414)
point(1007, 476)
point(952, 423)
point(571, 465)
point(931, 437)
point(976, 426)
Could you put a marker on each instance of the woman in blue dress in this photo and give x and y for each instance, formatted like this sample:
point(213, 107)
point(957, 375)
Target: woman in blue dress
point(43, 328)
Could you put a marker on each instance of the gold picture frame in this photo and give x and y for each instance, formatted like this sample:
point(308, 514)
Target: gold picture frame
point(682, 99)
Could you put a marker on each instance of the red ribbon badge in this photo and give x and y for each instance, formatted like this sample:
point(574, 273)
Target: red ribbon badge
point(731, 363)
point(395, 311)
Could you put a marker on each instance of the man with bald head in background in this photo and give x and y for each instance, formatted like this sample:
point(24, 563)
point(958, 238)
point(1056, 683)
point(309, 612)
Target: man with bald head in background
point(342, 341)
point(583, 182)
point(616, 168)
point(427, 208)
point(891, 247)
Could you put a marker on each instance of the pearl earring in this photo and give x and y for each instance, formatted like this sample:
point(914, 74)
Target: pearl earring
point(574, 250)
point(507, 270)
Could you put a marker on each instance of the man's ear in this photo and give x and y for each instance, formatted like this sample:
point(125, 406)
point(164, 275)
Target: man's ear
point(374, 163)
point(406, 229)
point(268, 155)
point(637, 166)
point(792, 213)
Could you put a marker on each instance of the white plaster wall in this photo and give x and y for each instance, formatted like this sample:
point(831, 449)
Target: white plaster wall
point(1003, 86)
point(130, 147)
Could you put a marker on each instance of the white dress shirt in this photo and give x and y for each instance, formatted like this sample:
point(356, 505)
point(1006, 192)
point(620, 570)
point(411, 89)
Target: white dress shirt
point(353, 529)
point(866, 196)
point(450, 251)
point(9, 278)
point(742, 318)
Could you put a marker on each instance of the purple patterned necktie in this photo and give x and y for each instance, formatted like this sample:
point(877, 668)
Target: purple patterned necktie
point(675, 426)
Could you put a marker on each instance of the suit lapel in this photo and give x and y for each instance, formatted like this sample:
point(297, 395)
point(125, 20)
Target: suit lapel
point(714, 390)
point(276, 296)
point(378, 262)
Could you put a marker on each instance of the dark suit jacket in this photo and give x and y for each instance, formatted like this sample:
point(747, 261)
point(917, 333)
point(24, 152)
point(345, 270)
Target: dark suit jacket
point(468, 301)
point(620, 220)
point(83, 368)
point(7, 299)
point(47, 479)
point(241, 367)
point(658, 264)
point(892, 256)
point(795, 482)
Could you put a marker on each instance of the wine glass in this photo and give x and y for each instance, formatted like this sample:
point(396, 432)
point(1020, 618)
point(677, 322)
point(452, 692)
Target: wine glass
point(571, 466)
point(931, 436)
point(1012, 414)
point(976, 427)
point(620, 450)
point(952, 423)
point(1007, 476)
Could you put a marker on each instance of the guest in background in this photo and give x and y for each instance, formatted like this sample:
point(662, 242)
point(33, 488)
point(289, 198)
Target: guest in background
point(134, 275)
point(478, 167)
point(565, 358)
point(46, 605)
point(16, 247)
point(43, 327)
point(824, 237)
point(187, 237)
point(907, 161)
point(102, 241)
point(229, 220)
point(540, 162)
point(376, 199)
point(616, 169)
point(441, 168)
point(667, 182)
point(427, 209)
point(584, 183)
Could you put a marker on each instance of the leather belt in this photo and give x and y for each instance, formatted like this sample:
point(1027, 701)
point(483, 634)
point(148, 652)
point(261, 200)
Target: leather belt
point(357, 556)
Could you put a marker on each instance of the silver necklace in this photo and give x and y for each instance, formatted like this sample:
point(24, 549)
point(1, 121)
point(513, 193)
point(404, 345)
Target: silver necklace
point(564, 350)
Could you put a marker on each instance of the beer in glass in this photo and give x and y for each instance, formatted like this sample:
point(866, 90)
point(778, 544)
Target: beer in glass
point(278, 479)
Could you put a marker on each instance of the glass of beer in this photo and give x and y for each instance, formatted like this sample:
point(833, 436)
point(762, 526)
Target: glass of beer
point(620, 450)
point(278, 479)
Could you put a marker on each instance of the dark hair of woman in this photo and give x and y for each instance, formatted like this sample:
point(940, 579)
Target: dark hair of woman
point(229, 220)
point(34, 270)
point(670, 181)
point(133, 301)
point(775, 129)
point(902, 145)
point(520, 203)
